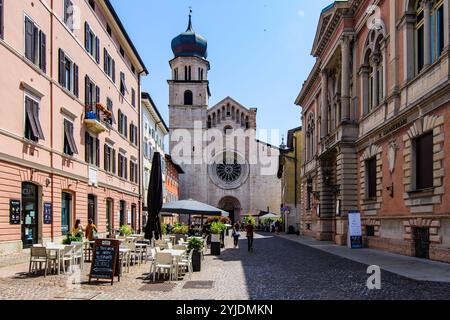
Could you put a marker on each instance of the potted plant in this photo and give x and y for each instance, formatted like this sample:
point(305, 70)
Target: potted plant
point(70, 239)
point(164, 229)
point(197, 245)
point(216, 230)
point(125, 230)
point(180, 231)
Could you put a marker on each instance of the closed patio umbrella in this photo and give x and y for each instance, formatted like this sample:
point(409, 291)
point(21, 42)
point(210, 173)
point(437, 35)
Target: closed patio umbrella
point(154, 200)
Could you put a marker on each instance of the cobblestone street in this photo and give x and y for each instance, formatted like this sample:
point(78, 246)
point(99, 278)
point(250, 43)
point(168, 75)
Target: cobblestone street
point(277, 269)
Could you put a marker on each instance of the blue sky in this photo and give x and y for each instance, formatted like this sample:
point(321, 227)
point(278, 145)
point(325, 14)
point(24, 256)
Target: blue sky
point(259, 50)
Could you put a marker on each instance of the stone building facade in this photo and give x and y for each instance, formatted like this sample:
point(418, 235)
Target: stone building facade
point(216, 146)
point(70, 83)
point(375, 111)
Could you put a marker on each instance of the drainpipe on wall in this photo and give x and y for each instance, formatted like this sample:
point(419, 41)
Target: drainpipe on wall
point(51, 120)
point(141, 165)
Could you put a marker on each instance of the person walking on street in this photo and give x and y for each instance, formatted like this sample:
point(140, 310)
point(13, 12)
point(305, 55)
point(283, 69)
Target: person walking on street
point(250, 234)
point(236, 234)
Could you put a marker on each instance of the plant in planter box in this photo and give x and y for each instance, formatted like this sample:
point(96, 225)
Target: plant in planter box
point(71, 239)
point(196, 245)
point(125, 230)
point(216, 230)
point(180, 231)
point(164, 228)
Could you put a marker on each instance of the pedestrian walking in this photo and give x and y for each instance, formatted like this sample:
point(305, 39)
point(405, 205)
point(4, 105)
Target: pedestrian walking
point(250, 234)
point(236, 234)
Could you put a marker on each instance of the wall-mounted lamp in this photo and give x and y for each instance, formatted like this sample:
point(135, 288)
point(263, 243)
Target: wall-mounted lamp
point(47, 182)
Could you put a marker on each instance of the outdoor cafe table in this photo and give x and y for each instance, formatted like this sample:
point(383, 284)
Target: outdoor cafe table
point(57, 248)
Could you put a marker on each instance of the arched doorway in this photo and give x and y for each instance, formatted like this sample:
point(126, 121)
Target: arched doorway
point(232, 206)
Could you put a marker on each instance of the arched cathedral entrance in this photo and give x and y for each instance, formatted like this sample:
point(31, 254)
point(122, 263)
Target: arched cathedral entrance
point(232, 206)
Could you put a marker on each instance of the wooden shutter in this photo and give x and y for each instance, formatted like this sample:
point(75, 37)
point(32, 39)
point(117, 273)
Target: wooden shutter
point(125, 161)
point(105, 60)
point(42, 52)
point(29, 39)
point(113, 155)
point(113, 71)
point(86, 146)
point(107, 162)
point(1, 19)
point(87, 82)
point(119, 116)
point(76, 89)
point(97, 94)
point(62, 67)
point(131, 133)
point(97, 49)
point(97, 152)
point(126, 126)
point(68, 130)
point(87, 35)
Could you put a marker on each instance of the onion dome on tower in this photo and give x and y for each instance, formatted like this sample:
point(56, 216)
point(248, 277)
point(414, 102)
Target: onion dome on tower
point(190, 44)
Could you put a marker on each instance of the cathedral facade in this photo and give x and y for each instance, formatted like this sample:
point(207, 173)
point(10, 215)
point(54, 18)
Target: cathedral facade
point(224, 164)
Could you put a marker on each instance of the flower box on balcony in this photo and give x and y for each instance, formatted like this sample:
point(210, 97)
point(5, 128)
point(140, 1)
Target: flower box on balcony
point(101, 107)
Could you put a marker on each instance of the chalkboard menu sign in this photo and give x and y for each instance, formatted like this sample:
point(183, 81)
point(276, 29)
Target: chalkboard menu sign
point(14, 212)
point(105, 262)
point(48, 213)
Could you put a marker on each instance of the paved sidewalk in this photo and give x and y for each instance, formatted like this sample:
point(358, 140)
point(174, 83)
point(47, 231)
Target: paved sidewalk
point(410, 267)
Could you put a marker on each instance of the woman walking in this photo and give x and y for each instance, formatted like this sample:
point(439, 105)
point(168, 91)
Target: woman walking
point(236, 234)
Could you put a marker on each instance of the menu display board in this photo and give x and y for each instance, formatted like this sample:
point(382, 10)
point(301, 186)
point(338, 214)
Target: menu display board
point(355, 230)
point(105, 262)
point(14, 212)
point(48, 215)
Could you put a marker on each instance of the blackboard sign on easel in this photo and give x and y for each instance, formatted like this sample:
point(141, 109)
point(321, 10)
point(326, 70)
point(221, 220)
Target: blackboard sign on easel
point(14, 212)
point(105, 261)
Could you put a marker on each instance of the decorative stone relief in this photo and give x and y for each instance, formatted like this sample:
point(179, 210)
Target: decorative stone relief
point(392, 152)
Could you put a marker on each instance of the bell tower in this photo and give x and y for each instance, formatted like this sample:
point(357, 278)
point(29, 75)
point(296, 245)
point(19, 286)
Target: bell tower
point(188, 103)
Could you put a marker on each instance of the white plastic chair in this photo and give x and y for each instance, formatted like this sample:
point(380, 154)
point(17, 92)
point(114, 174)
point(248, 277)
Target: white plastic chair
point(38, 255)
point(68, 255)
point(78, 254)
point(163, 261)
point(186, 263)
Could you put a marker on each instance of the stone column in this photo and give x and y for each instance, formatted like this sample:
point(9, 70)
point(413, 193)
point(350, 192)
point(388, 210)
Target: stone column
point(427, 31)
point(345, 83)
point(364, 73)
point(324, 105)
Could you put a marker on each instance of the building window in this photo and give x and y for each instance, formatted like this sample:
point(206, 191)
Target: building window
point(423, 154)
point(188, 99)
point(122, 52)
point(69, 14)
point(109, 214)
point(92, 150)
point(35, 44)
point(123, 85)
point(437, 31)
point(109, 65)
point(92, 4)
point(33, 129)
point(108, 29)
point(92, 208)
point(123, 123)
point(133, 172)
point(309, 194)
point(133, 97)
point(70, 147)
point(68, 73)
point(109, 159)
point(370, 231)
point(92, 43)
point(66, 213)
point(371, 178)
point(92, 94)
point(419, 37)
point(1, 19)
point(133, 216)
point(122, 213)
point(110, 107)
point(123, 167)
point(175, 74)
point(310, 135)
point(133, 134)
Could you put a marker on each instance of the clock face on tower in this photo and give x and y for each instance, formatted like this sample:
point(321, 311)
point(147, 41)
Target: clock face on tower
point(228, 170)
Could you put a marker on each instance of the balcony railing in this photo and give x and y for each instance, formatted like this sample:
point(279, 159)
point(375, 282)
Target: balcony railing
point(97, 118)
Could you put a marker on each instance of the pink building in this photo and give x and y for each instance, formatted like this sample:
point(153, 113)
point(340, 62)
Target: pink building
point(69, 130)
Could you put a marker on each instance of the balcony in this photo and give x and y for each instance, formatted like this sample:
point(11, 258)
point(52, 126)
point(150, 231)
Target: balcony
point(97, 118)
